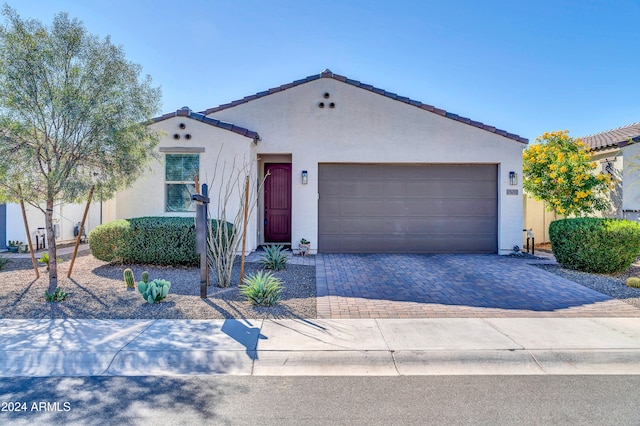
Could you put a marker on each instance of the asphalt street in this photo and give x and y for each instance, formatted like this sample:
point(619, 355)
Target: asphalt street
point(250, 400)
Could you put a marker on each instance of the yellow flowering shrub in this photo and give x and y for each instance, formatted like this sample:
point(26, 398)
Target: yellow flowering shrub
point(558, 170)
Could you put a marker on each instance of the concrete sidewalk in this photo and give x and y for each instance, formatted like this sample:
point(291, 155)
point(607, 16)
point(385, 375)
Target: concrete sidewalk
point(61, 251)
point(381, 347)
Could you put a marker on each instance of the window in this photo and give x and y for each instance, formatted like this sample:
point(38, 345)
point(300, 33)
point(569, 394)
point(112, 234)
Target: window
point(180, 172)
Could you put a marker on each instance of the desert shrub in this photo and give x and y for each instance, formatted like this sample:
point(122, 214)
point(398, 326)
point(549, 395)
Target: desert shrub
point(597, 245)
point(274, 257)
point(148, 240)
point(261, 289)
point(633, 282)
point(107, 240)
point(4, 261)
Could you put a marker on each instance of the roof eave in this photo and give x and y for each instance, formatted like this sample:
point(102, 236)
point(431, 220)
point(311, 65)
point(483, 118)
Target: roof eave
point(187, 113)
point(328, 74)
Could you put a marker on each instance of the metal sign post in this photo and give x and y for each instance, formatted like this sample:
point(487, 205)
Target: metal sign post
point(201, 237)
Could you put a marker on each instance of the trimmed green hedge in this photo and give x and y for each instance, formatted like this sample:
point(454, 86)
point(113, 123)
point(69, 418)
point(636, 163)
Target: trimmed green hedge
point(106, 240)
point(148, 240)
point(597, 245)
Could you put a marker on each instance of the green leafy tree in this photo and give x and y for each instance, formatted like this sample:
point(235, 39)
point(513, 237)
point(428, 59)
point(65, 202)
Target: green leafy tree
point(73, 114)
point(557, 169)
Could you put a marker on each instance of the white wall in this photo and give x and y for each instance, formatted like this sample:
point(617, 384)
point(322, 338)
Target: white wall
point(65, 216)
point(370, 128)
point(631, 181)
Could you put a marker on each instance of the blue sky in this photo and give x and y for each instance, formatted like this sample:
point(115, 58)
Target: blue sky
point(523, 66)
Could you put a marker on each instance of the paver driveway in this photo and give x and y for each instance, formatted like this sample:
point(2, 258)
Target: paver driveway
point(449, 285)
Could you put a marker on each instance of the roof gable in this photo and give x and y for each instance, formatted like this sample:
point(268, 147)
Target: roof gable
point(186, 112)
point(613, 138)
point(329, 74)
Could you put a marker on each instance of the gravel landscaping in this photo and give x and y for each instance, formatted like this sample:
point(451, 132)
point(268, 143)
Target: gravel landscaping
point(97, 290)
point(613, 285)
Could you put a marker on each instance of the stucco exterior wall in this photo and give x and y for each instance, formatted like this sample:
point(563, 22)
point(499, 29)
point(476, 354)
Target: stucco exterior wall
point(625, 196)
point(537, 218)
point(223, 151)
point(365, 127)
point(65, 218)
point(631, 181)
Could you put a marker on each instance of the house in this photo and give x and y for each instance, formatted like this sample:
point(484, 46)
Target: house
point(348, 166)
point(618, 153)
point(66, 218)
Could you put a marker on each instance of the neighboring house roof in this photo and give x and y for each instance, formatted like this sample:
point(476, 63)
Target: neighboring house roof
point(329, 74)
point(186, 112)
point(613, 138)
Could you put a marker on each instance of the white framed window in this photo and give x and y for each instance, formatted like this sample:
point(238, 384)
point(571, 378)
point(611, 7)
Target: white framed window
point(180, 173)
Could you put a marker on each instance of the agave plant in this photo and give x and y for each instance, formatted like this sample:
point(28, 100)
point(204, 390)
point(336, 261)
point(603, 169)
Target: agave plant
point(274, 257)
point(262, 289)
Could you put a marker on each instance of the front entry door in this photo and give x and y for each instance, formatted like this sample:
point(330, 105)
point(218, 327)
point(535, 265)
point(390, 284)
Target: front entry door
point(277, 203)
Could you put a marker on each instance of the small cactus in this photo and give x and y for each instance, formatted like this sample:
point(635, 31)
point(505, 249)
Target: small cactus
point(633, 282)
point(154, 291)
point(145, 276)
point(128, 278)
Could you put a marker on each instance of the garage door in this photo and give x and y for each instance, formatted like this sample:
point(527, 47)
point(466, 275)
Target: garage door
point(381, 208)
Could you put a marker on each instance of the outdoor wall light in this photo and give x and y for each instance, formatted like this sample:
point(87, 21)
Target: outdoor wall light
point(305, 177)
point(609, 168)
point(513, 178)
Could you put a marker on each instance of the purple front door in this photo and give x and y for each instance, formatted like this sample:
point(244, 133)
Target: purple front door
point(277, 203)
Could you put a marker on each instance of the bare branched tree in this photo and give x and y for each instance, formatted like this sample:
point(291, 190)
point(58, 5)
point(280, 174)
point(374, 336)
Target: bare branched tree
point(228, 186)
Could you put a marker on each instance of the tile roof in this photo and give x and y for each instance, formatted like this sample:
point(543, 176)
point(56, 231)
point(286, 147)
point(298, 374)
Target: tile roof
point(186, 112)
point(329, 74)
point(613, 138)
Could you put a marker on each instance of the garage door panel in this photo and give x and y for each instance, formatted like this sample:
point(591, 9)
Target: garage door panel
point(329, 208)
point(332, 186)
point(350, 207)
point(351, 226)
point(351, 189)
point(444, 189)
point(408, 208)
point(394, 188)
point(450, 226)
point(381, 227)
point(451, 207)
point(372, 187)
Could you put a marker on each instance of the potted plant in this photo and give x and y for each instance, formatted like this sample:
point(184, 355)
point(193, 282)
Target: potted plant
point(304, 247)
point(14, 246)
